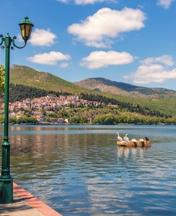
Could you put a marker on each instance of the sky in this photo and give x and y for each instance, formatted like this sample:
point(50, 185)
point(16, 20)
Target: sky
point(131, 41)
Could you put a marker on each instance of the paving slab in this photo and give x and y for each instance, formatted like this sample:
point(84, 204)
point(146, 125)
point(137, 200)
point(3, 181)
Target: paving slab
point(25, 204)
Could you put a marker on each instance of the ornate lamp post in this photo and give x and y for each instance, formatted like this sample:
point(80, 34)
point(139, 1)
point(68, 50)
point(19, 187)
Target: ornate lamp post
point(8, 42)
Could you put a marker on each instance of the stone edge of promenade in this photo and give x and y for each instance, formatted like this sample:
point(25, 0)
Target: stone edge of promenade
point(33, 201)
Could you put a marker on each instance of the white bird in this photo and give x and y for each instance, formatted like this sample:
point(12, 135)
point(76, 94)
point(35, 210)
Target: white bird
point(119, 138)
point(126, 139)
point(134, 140)
point(141, 140)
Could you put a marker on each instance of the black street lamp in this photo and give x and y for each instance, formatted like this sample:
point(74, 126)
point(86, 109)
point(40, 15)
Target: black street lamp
point(8, 42)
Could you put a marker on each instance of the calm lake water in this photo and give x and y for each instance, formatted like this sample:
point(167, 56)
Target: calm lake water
point(80, 171)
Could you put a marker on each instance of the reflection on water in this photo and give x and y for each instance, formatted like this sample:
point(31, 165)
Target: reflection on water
point(126, 153)
point(80, 171)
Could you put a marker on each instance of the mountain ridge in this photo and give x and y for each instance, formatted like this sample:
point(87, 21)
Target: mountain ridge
point(27, 76)
point(106, 85)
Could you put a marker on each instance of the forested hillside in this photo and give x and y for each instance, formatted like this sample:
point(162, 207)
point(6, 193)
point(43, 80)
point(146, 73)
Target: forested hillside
point(27, 83)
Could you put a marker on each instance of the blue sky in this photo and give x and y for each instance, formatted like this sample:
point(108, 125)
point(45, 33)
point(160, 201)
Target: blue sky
point(123, 40)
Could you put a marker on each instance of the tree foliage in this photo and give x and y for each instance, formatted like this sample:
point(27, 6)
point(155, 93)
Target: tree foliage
point(21, 92)
point(1, 78)
point(125, 106)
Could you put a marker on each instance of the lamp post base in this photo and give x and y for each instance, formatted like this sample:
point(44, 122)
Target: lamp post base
point(6, 190)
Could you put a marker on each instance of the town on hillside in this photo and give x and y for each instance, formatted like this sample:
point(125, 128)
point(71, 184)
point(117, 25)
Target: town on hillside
point(38, 107)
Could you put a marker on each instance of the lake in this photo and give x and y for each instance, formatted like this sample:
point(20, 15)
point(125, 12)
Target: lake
point(80, 171)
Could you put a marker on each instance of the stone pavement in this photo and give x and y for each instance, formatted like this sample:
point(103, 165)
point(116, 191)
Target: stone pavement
point(25, 204)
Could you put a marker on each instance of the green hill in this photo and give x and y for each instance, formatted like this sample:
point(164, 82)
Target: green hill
point(27, 76)
point(158, 99)
point(129, 96)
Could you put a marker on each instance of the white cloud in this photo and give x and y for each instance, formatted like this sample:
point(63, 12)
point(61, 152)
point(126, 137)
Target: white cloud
point(87, 1)
point(164, 60)
point(165, 3)
point(100, 59)
point(99, 29)
point(154, 70)
point(64, 65)
point(50, 58)
point(84, 2)
point(42, 37)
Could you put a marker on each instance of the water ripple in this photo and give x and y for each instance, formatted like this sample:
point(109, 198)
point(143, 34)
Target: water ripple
point(79, 170)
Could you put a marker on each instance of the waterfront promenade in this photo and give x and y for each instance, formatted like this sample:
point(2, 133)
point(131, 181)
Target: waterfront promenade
point(25, 204)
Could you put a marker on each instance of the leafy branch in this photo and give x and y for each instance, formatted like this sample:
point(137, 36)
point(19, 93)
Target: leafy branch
point(1, 78)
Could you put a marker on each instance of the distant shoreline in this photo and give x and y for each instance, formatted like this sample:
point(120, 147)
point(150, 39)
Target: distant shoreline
point(57, 124)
